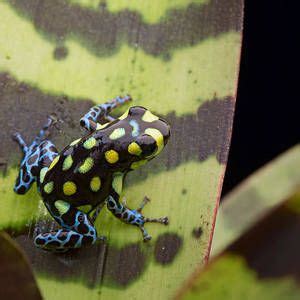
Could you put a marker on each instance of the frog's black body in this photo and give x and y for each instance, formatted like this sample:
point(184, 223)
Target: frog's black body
point(90, 171)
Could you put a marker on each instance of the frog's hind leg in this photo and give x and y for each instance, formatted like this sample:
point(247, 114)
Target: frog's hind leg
point(77, 231)
point(90, 119)
point(39, 154)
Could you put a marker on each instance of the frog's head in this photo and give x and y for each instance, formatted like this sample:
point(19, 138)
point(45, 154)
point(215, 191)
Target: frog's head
point(149, 135)
point(133, 139)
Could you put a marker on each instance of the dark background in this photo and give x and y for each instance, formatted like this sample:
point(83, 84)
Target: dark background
point(267, 116)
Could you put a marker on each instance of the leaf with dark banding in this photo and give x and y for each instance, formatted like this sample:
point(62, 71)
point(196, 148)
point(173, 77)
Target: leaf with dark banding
point(262, 264)
point(57, 57)
point(151, 11)
point(103, 32)
point(207, 69)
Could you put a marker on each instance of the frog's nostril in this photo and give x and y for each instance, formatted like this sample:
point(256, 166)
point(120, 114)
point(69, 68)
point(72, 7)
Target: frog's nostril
point(165, 130)
point(167, 136)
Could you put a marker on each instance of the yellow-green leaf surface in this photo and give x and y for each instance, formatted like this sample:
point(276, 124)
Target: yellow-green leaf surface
point(229, 277)
point(180, 59)
point(29, 57)
point(262, 263)
point(151, 11)
point(256, 197)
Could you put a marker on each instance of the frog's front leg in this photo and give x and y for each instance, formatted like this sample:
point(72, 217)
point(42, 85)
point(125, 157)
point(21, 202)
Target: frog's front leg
point(37, 157)
point(77, 231)
point(127, 215)
point(90, 119)
point(132, 216)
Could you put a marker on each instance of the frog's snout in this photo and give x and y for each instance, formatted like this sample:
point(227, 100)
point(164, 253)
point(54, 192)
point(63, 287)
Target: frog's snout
point(165, 130)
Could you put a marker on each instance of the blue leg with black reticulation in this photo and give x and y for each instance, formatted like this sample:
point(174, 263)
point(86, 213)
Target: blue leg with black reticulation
point(90, 119)
point(77, 231)
point(133, 216)
point(37, 156)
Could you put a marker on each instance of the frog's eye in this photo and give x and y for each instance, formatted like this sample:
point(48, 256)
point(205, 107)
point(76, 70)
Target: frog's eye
point(136, 111)
point(147, 144)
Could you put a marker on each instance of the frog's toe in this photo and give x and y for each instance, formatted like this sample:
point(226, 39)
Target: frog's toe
point(18, 138)
point(102, 239)
point(53, 118)
point(163, 220)
point(15, 136)
point(58, 250)
point(145, 201)
point(147, 238)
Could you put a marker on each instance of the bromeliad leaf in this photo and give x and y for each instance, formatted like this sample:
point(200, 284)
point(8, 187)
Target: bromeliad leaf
point(183, 67)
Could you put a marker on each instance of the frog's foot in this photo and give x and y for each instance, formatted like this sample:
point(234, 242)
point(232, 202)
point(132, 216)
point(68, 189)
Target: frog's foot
point(43, 134)
point(146, 236)
point(163, 220)
point(45, 131)
point(18, 138)
point(142, 220)
point(134, 217)
point(39, 154)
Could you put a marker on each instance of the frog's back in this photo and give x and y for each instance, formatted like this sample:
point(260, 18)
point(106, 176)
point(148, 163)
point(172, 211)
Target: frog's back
point(78, 174)
point(83, 171)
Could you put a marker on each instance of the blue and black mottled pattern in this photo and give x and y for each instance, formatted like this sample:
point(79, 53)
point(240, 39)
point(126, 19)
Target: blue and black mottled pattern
point(78, 231)
point(89, 121)
point(90, 171)
point(39, 154)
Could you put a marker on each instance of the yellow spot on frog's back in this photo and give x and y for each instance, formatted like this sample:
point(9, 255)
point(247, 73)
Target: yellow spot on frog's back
point(54, 162)
point(43, 174)
point(101, 126)
point(48, 187)
point(62, 206)
point(75, 142)
point(112, 156)
point(117, 182)
point(90, 143)
point(138, 164)
point(69, 188)
point(157, 135)
point(149, 117)
point(134, 149)
point(117, 133)
point(124, 116)
point(67, 164)
point(86, 165)
point(95, 184)
point(85, 208)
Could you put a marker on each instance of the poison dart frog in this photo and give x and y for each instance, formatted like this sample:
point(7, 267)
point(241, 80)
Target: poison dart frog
point(91, 171)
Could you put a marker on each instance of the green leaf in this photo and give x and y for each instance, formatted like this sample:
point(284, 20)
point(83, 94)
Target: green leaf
point(256, 257)
point(229, 277)
point(151, 11)
point(261, 264)
point(256, 197)
point(55, 57)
